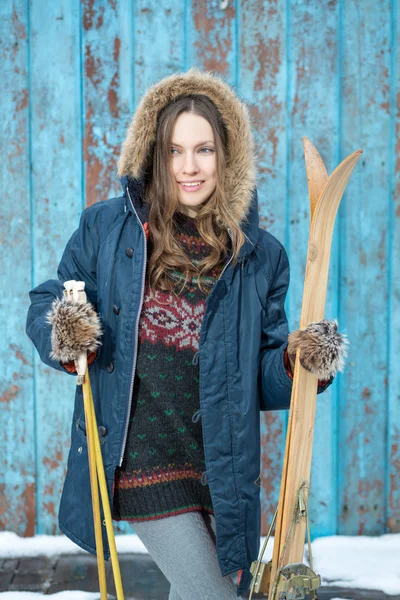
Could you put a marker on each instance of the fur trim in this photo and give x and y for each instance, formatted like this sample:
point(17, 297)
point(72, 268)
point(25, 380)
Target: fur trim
point(240, 175)
point(322, 348)
point(76, 328)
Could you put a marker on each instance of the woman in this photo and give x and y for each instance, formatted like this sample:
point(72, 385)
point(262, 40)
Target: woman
point(187, 338)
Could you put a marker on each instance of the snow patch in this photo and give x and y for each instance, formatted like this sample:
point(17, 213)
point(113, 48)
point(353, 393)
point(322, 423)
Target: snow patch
point(14, 546)
point(67, 595)
point(361, 562)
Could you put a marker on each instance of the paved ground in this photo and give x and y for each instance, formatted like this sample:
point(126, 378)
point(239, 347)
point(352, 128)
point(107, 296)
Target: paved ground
point(141, 578)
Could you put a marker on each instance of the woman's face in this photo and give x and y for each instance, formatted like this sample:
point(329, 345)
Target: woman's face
point(193, 161)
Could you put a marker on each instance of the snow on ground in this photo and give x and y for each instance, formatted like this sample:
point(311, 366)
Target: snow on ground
point(60, 596)
point(356, 562)
point(67, 595)
point(363, 562)
point(359, 562)
point(13, 546)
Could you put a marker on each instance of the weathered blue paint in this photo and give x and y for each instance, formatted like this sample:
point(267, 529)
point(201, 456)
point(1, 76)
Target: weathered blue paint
point(56, 201)
point(73, 73)
point(260, 79)
point(364, 269)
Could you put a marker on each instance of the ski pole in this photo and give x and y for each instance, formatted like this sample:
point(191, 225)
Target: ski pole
point(75, 291)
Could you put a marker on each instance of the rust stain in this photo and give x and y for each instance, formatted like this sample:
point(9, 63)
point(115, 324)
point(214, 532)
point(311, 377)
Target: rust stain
point(269, 60)
point(92, 67)
point(393, 494)
point(28, 507)
point(50, 508)
point(273, 138)
point(48, 462)
point(117, 49)
point(22, 102)
point(19, 28)
point(49, 490)
point(114, 85)
point(365, 506)
point(113, 96)
point(94, 165)
point(90, 14)
point(381, 251)
point(215, 37)
point(9, 394)
point(366, 393)
point(4, 507)
point(19, 354)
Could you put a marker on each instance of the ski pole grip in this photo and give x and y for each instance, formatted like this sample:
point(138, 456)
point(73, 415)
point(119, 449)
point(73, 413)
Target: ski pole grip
point(75, 291)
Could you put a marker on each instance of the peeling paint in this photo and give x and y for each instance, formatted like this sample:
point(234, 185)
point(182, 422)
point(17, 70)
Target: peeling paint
point(10, 394)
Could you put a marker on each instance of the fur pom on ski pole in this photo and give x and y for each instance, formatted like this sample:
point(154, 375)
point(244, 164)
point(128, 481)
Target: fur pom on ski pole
point(74, 291)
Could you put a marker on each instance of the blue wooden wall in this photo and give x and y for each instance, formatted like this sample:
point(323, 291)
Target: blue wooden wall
point(72, 73)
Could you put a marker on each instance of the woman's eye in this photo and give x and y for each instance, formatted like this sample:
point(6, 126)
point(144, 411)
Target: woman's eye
point(175, 150)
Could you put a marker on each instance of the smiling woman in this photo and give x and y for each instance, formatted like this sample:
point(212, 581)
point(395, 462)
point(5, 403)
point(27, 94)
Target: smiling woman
point(189, 291)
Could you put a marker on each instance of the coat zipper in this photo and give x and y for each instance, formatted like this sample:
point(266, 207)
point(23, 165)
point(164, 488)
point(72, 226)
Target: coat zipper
point(136, 331)
point(137, 321)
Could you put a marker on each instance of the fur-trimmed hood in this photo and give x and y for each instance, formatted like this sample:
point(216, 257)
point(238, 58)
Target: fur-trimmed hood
point(241, 160)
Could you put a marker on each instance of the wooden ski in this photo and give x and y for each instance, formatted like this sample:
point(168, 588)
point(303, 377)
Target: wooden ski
point(286, 577)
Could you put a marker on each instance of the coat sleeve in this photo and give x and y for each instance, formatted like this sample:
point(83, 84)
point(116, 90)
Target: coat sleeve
point(275, 383)
point(78, 262)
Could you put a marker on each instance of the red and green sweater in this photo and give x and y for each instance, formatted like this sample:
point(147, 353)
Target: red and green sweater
point(163, 469)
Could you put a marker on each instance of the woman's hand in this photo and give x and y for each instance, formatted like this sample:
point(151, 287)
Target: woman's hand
point(76, 328)
point(322, 348)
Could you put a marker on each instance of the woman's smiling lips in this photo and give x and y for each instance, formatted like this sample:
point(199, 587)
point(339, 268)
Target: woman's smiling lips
point(191, 188)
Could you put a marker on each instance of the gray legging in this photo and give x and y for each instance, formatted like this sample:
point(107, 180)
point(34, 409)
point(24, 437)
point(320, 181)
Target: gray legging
point(183, 547)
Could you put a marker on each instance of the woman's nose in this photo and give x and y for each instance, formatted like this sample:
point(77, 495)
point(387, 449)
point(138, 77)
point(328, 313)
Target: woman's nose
point(190, 165)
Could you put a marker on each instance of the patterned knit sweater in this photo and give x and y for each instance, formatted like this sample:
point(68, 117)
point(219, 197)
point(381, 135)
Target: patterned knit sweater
point(163, 469)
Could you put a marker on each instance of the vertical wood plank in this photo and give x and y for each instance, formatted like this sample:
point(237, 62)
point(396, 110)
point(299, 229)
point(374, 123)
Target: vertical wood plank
point(393, 454)
point(313, 104)
point(262, 82)
point(108, 95)
point(364, 274)
point(211, 38)
point(159, 31)
point(107, 91)
point(17, 456)
point(56, 200)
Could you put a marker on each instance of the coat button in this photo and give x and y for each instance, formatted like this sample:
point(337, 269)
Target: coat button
point(116, 309)
point(110, 367)
point(102, 430)
point(129, 252)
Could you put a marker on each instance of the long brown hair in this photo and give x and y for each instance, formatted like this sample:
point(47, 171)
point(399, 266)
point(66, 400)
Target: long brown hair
point(162, 194)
